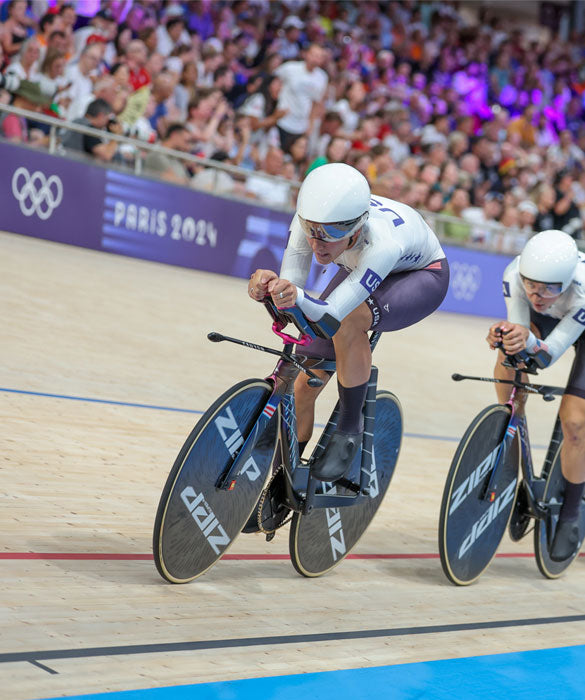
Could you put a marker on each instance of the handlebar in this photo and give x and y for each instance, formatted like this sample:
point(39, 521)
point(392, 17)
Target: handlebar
point(526, 361)
point(309, 330)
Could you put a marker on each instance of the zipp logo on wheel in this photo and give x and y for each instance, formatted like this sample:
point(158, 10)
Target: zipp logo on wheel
point(37, 194)
point(233, 440)
point(488, 517)
point(466, 488)
point(205, 518)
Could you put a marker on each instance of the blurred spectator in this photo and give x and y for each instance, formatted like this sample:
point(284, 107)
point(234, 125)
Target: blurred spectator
point(298, 152)
point(48, 24)
point(527, 213)
point(185, 90)
point(262, 109)
point(15, 29)
point(51, 77)
point(171, 35)
point(324, 131)
point(166, 167)
point(204, 115)
point(107, 88)
point(289, 46)
point(275, 194)
point(457, 204)
point(25, 65)
point(521, 130)
point(57, 41)
point(545, 202)
point(303, 87)
point(99, 116)
point(15, 128)
point(566, 215)
point(351, 106)
point(103, 24)
point(211, 60)
point(79, 75)
point(136, 59)
point(487, 214)
point(163, 87)
point(399, 142)
point(336, 152)
point(565, 154)
point(217, 181)
point(148, 37)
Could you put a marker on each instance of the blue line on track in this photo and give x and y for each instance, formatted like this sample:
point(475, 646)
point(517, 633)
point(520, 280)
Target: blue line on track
point(104, 401)
point(108, 402)
point(546, 674)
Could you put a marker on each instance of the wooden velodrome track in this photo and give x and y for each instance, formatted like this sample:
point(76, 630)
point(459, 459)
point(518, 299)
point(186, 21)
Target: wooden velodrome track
point(81, 478)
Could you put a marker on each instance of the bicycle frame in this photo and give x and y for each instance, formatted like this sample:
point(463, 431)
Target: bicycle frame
point(301, 489)
point(517, 425)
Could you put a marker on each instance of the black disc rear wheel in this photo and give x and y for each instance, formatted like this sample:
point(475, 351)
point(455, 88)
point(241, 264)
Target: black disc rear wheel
point(545, 528)
point(321, 540)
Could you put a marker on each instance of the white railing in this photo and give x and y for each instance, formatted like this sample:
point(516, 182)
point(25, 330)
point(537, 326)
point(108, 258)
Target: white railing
point(487, 236)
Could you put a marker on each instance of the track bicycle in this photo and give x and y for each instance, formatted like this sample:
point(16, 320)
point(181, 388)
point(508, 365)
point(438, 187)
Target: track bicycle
point(483, 494)
point(244, 453)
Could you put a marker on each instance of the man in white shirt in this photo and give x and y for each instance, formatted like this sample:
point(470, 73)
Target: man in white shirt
point(79, 75)
point(303, 87)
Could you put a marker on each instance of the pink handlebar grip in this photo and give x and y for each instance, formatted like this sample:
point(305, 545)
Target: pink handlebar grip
point(305, 339)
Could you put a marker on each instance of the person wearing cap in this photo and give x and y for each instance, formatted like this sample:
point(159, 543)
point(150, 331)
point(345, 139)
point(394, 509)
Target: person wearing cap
point(28, 96)
point(289, 46)
point(103, 23)
point(544, 289)
point(392, 273)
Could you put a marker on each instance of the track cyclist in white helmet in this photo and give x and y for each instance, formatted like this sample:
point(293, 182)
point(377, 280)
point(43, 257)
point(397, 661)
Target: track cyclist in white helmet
point(392, 273)
point(544, 288)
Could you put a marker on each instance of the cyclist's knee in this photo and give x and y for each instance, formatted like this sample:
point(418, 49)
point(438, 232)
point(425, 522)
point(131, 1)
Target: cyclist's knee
point(572, 415)
point(356, 322)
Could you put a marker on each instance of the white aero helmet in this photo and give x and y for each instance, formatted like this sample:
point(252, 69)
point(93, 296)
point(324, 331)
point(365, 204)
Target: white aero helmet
point(333, 202)
point(550, 257)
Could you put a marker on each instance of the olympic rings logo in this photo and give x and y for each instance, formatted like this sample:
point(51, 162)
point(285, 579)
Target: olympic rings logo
point(465, 280)
point(36, 194)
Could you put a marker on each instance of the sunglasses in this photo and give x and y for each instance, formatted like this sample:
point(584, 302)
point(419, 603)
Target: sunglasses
point(542, 289)
point(330, 233)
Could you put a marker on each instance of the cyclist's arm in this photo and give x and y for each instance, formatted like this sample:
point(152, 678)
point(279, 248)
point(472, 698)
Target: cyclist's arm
point(296, 261)
point(374, 266)
point(561, 337)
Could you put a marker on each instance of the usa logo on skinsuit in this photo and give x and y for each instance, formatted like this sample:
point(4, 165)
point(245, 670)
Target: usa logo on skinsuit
point(371, 281)
point(506, 288)
point(580, 317)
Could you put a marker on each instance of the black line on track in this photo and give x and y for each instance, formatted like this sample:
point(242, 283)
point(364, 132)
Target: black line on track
point(43, 667)
point(164, 648)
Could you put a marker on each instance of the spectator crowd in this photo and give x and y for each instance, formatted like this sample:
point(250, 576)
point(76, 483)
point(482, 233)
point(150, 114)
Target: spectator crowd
point(450, 112)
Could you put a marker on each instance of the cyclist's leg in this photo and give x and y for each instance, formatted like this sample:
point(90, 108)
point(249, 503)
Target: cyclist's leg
point(572, 414)
point(401, 300)
point(305, 397)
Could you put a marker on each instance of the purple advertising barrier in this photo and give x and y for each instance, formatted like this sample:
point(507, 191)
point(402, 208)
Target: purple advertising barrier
point(51, 198)
point(68, 201)
point(475, 286)
point(86, 205)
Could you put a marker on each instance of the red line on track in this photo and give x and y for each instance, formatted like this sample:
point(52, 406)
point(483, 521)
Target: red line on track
point(113, 556)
